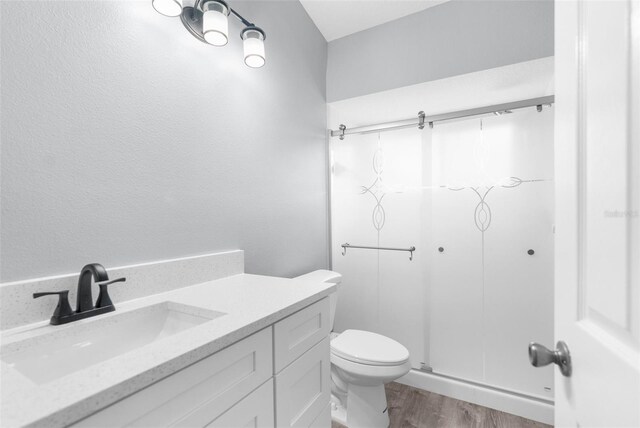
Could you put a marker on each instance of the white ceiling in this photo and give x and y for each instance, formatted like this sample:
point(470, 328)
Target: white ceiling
point(339, 18)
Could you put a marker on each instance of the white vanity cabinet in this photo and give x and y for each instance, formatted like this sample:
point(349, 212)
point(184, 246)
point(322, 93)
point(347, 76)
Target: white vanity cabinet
point(301, 349)
point(278, 376)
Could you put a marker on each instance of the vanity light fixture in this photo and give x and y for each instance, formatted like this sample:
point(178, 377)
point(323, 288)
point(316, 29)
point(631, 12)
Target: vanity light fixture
point(207, 21)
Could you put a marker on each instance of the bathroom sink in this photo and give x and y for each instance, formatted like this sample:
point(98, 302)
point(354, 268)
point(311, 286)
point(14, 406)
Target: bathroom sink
point(52, 355)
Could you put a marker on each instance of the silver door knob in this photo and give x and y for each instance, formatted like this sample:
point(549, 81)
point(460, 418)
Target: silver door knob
point(541, 356)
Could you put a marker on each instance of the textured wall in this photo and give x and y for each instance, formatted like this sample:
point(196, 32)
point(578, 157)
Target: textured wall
point(450, 39)
point(126, 140)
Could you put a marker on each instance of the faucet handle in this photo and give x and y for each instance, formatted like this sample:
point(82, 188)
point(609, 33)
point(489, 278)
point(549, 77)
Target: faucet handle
point(103, 298)
point(63, 309)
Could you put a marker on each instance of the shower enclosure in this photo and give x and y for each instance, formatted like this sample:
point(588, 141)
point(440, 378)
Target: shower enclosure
point(475, 198)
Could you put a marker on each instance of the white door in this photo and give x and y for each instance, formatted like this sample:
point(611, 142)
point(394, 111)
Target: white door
point(597, 278)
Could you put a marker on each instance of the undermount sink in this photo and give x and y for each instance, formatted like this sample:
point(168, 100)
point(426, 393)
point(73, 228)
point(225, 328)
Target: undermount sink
point(61, 352)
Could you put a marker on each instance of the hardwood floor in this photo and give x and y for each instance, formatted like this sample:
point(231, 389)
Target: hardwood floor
point(410, 407)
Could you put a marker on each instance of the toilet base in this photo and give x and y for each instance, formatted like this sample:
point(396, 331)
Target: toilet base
point(366, 408)
point(338, 412)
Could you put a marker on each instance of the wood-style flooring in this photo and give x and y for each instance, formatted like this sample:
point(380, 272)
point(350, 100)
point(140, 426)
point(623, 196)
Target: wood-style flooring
point(411, 407)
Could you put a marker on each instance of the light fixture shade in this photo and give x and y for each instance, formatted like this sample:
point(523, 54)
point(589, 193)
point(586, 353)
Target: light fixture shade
point(215, 25)
point(168, 7)
point(253, 41)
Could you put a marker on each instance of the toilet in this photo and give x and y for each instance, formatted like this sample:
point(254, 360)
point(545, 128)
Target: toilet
point(362, 362)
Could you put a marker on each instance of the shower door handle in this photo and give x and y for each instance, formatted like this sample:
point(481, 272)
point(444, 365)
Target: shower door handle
point(540, 356)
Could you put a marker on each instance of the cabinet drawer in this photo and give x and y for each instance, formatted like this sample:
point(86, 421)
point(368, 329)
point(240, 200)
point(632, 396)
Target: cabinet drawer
point(202, 391)
point(294, 335)
point(302, 389)
point(255, 410)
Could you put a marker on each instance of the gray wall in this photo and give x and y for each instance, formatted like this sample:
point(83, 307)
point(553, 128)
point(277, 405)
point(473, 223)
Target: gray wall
point(453, 38)
point(126, 140)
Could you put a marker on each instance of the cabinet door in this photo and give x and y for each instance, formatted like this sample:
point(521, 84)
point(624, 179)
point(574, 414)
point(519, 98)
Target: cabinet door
point(255, 411)
point(198, 394)
point(303, 388)
point(294, 335)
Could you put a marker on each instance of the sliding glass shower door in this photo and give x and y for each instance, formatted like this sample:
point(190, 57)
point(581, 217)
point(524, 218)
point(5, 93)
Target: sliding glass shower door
point(492, 215)
point(475, 197)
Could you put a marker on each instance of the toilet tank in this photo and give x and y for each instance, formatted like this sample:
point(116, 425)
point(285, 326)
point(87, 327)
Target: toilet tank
point(327, 276)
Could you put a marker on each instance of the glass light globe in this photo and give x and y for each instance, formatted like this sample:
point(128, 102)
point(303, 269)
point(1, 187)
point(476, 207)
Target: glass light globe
point(253, 43)
point(215, 25)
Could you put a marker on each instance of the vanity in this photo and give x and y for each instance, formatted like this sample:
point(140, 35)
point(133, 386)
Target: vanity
point(241, 350)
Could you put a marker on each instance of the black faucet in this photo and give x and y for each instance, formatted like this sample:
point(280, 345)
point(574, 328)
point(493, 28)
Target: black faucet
point(84, 308)
point(85, 299)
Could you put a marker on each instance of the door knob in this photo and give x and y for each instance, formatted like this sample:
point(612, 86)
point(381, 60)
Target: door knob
point(541, 356)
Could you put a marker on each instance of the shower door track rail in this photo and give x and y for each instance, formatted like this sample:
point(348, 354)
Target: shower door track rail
point(346, 245)
point(421, 119)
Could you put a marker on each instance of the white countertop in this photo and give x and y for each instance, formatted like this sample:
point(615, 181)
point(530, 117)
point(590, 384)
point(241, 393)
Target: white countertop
point(251, 302)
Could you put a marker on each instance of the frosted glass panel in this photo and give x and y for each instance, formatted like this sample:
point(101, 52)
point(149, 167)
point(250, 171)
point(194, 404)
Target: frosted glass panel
point(376, 201)
point(492, 203)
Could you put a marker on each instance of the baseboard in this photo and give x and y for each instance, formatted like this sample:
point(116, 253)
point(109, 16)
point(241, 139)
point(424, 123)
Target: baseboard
point(516, 404)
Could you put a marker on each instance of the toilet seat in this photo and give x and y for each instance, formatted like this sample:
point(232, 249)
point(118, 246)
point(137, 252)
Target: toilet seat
point(365, 347)
point(367, 374)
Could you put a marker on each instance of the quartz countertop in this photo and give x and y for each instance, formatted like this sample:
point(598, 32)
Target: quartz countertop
point(250, 303)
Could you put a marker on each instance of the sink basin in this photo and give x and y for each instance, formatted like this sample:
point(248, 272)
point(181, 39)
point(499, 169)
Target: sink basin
point(61, 352)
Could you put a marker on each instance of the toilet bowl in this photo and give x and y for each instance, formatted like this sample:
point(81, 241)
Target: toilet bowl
point(361, 363)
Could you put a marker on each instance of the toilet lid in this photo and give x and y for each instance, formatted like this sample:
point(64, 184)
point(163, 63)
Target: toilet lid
point(370, 348)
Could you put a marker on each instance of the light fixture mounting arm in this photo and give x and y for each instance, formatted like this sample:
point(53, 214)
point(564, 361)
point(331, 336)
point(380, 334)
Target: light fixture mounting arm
point(241, 19)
